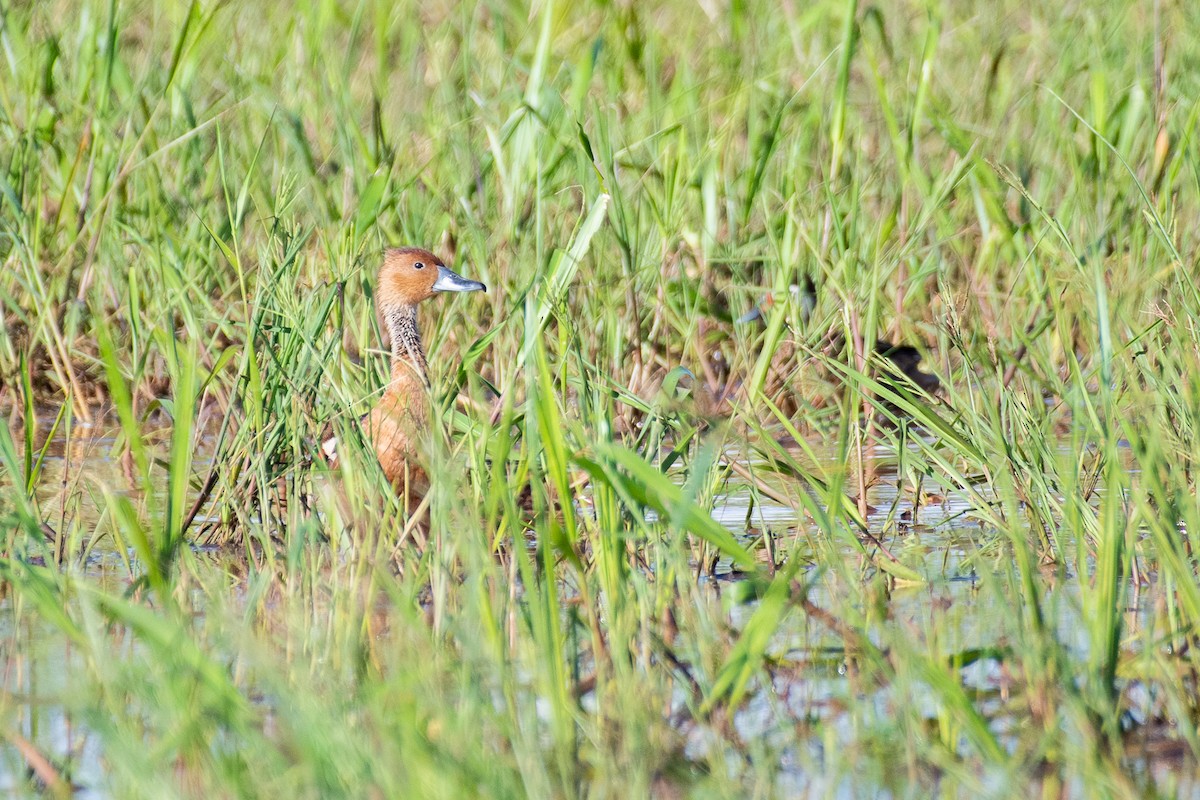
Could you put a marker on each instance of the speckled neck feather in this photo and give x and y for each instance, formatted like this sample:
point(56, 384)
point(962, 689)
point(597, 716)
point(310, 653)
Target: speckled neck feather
point(408, 356)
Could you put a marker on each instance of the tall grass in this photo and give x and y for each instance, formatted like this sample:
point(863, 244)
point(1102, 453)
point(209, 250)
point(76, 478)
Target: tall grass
point(194, 200)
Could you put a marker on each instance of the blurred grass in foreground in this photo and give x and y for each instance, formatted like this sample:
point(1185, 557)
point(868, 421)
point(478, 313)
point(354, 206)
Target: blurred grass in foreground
point(193, 198)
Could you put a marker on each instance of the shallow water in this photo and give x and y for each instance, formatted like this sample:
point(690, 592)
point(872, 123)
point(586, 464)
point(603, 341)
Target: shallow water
point(808, 686)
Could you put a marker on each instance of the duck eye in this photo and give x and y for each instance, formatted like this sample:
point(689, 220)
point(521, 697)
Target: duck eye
point(419, 265)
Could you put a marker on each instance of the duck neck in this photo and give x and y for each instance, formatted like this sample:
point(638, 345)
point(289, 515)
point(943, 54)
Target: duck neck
point(408, 356)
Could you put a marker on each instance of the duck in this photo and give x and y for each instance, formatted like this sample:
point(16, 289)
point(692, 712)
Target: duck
point(398, 424)
point(904, 359)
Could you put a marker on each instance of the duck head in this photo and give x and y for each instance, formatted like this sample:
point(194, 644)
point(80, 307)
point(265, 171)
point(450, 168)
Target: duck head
point(803, 297)
point(410, 275)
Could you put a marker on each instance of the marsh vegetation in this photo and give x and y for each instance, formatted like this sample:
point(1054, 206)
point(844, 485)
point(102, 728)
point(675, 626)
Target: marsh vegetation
point(751, 559)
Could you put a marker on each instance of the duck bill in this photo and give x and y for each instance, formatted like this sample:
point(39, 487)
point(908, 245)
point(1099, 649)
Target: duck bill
point(450, 281)
point(750, 316)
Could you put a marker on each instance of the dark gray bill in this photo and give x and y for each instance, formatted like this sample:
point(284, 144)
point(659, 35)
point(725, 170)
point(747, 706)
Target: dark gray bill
point(450, 281)
point(750, 316)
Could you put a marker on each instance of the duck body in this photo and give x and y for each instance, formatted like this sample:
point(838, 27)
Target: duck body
point(904, 359)
point(398, 427)
point(907, 361)
point(894, 365)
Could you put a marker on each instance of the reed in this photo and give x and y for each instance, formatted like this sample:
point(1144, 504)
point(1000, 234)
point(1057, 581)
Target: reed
point(990, 592)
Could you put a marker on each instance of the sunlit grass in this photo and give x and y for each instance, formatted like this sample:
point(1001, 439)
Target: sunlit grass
point(193, 203)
